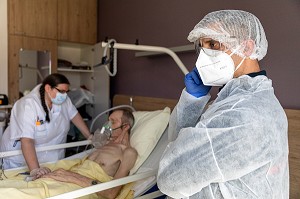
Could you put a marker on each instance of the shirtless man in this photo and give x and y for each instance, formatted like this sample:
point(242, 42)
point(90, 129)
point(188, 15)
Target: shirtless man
point(116, 158)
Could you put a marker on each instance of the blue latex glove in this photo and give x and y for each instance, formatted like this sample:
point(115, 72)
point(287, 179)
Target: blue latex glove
point(194, 84)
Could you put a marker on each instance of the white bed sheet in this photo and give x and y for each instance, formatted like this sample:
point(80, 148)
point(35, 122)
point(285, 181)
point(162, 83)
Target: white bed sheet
point(150, 164)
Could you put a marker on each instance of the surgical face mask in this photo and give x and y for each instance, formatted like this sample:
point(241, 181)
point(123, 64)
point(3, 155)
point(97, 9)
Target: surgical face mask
point(102, 136)
point(215, 67)
point(59, 98)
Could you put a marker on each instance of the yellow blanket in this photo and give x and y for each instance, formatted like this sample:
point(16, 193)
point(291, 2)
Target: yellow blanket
point(16, 187)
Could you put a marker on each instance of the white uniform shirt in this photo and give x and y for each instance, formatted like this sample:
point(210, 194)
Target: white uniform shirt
point(28, 119)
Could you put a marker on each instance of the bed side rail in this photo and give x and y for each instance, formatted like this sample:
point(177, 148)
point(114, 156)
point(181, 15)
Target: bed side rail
point(106, 185)
point(47, 148)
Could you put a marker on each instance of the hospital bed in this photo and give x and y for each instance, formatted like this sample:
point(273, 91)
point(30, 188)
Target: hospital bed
point(144, 177)
point(145, 169)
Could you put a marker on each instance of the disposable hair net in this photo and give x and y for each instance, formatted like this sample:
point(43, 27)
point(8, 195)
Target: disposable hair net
point(233, 28)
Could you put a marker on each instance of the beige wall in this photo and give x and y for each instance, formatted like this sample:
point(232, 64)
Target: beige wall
point(3, 47)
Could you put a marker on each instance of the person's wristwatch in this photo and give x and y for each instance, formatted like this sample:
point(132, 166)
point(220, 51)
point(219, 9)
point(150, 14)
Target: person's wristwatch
point(94, 182)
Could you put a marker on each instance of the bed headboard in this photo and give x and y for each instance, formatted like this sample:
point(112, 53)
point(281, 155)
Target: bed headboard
point(144, 103)
point(294, 151)
point(150, 103)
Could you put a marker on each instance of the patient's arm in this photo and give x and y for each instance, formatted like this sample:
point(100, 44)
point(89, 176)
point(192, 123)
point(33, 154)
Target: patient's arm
point(69, 176)
point(127, 163)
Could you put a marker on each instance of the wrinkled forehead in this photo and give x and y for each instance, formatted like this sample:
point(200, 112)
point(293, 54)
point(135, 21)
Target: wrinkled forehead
point(116, 115)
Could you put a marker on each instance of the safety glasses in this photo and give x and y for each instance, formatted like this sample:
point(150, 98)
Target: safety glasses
point(215, 47)
point(61, 91)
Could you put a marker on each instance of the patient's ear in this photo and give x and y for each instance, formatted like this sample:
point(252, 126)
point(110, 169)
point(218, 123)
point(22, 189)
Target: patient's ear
point(249, 47)
point(126, 127)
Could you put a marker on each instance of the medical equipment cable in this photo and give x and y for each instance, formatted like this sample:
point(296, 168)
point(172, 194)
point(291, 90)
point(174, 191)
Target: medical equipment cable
point(112, 60)
point(2, 170)
point(151, 49)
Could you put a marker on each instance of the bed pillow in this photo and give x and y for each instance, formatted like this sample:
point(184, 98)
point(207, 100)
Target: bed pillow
point(146, 131)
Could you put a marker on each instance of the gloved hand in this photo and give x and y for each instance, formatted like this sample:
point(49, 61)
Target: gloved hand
point(39, 172)
point(194, 84)
point(91, 137)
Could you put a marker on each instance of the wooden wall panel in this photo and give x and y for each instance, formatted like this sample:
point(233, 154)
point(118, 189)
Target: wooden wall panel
point(33, 18)
point(15, 43)
point(77, 21)
point(294, 151)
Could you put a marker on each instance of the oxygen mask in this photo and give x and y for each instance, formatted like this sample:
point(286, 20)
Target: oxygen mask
point(102, 136)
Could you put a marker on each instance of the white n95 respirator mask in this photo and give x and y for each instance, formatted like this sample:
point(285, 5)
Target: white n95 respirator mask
point(215, 67)
point(102, 136)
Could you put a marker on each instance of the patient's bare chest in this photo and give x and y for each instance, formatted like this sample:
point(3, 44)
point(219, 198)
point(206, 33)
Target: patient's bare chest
point(108, 157)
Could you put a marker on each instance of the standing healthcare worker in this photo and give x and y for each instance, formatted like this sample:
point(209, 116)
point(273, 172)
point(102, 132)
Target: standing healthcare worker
point(236, 147)
point(41, 118)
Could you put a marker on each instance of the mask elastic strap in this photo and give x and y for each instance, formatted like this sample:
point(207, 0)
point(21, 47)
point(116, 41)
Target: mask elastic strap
point(119, 127)
point(238, 66)
point(234, 51)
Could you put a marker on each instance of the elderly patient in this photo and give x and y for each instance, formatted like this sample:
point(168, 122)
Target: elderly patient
point(116, 158)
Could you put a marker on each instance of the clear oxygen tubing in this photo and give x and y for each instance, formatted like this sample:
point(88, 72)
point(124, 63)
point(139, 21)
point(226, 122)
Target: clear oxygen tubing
point(112, 59)
point(151, 49)
point(110, 109)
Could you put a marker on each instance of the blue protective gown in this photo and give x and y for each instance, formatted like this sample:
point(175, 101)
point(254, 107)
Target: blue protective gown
point(237, 148)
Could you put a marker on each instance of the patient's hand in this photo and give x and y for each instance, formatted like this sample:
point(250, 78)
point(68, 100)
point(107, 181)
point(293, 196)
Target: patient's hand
point(59, 175)
point(63, 175)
